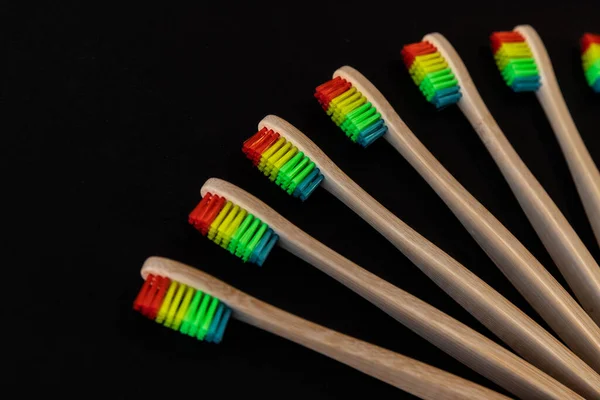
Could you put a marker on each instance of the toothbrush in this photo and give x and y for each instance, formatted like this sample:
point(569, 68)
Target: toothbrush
point(590, 57)
point(525, 66)
point(437, 68)
point(198, 305)
point(285, 155)
point(248, 228)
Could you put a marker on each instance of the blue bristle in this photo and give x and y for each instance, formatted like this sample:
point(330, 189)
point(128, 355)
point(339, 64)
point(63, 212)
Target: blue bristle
point(372, 133)
point(266, 249)
point(445, 97)
point(215, 323)
point(311, 187)
point(220, 330)
point(307, 186)
point(254, 257)
point(526, 84)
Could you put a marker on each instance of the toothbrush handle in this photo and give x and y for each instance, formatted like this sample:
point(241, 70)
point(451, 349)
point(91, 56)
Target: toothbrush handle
point(582, 166)
point(488, 306)
point(410, 375)
point(405, 373)
point(568, 251)
point(532, 280)
point(461, 342)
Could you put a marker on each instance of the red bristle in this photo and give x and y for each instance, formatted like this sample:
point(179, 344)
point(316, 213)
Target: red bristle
point(587, 40)
point(205, 212)
point(140, 301)
point(330, 90)
point(150, 295)
point(146, 304)
point(250, 144)
point(269, 139)
point(412, 51)
point(509, 36)
point(259, 143)
point(328, 84)
point(497, 38)
point(162, 284)
point(326, 87)
point(196, 215)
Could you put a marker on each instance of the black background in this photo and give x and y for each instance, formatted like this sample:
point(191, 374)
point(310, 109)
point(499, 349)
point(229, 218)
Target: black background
point(118, 115)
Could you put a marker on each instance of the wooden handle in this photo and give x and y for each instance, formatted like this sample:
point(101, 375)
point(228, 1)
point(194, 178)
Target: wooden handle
point(582, 166)
point(412, 376)
point(493, 310)
point(463, 343)
point(568, 252)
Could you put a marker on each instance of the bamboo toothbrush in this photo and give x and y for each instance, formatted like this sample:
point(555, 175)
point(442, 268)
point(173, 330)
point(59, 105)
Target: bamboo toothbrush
point(444, 79)
point(248, 228)
point(196, 304)
point(526, 67)
point(297, 165)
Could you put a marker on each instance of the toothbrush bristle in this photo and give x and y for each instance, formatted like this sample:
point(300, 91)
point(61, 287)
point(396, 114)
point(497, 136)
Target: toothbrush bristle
point(431, 73)
point(183, 308)
point(282, 163)
point(351, 111)
point(233, 228)
point(590, 57)
point(255, 146)
point(515, 61)
point(205, 212)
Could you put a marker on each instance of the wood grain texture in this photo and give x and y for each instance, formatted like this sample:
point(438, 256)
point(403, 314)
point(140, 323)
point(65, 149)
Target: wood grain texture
point(405, 373)
point(566, 249)
point(499, 315)
point(463, 343)
point(580, 162)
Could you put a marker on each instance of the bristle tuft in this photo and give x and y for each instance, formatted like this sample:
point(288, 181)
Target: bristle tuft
point(283, 163)
point(206, 212)
point(515, 61)
point(183, 308)
point(590, 57)
point(351, 111)
point(233, 228)
point(431, 73)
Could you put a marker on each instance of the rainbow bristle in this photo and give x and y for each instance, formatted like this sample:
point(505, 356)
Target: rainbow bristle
point(233, 228)
point(282, 163)
point(351, 111)
point(590, 57)
point(515, 61)
point(432, 74)
point(183, 308)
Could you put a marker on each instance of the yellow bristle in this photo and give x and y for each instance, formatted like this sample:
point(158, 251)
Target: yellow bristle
point(183, 308)
point(334, 103)
point(164, 307)
point(269, 152)
point(281, 162)
point(225, 225)
point(174, 305)
point(233, 227)
point(424, 65)
point(273, 159)
point(217, 222)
